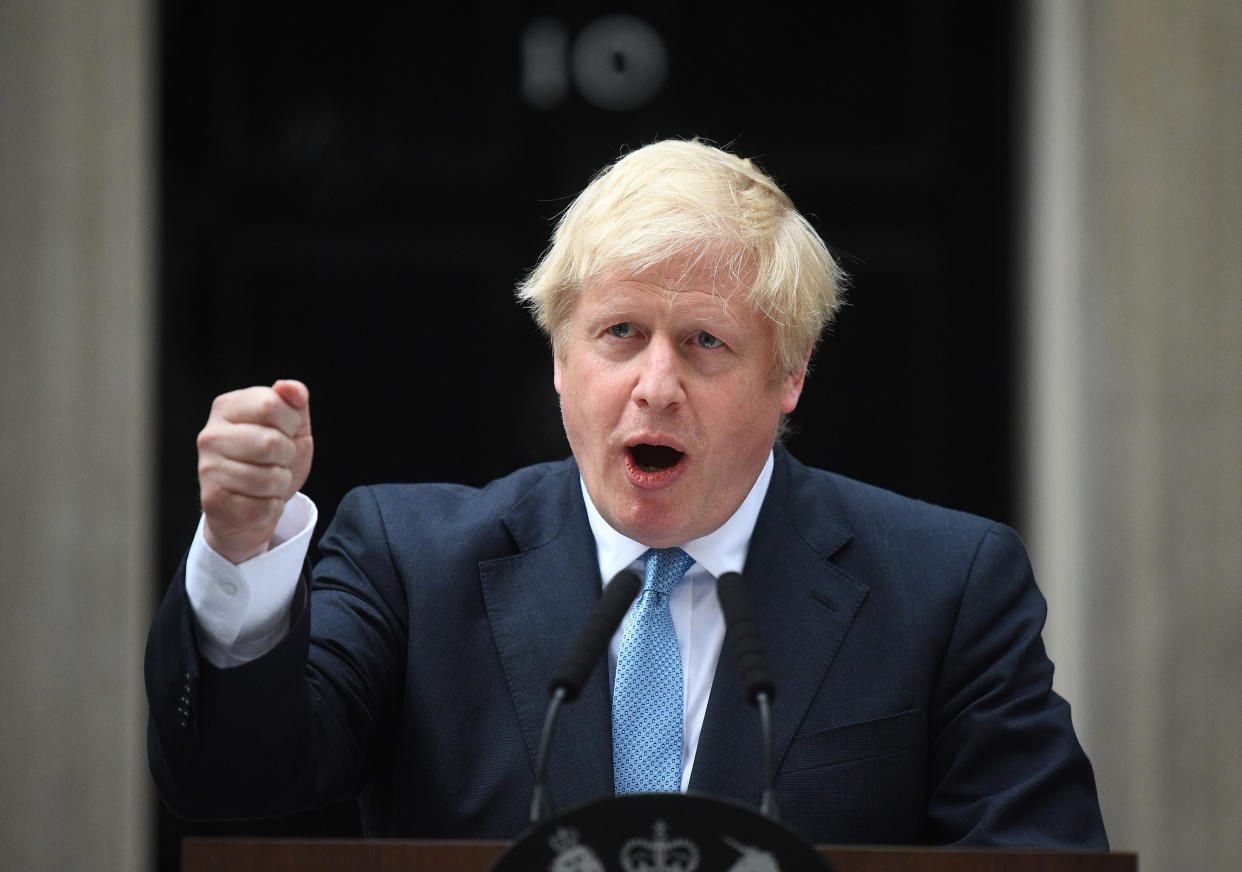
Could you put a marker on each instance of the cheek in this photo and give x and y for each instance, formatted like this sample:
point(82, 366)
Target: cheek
point(577, 414)
point(748, 421)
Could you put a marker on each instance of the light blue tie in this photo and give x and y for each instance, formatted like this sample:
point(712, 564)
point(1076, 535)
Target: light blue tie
point(647, 696)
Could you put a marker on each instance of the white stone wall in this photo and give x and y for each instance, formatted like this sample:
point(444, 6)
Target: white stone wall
point(76, 437)
point(1134, 455)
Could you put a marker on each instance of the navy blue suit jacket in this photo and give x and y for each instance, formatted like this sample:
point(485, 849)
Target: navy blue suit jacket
point(913, 704)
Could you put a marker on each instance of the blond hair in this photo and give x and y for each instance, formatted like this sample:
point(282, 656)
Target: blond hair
point(691, 201)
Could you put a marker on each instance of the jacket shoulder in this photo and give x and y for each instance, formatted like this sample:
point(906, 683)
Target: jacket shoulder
point(473, 519)
point(878, 518)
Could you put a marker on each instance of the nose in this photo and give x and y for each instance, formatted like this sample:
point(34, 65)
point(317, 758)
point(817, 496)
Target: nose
point(659, 384)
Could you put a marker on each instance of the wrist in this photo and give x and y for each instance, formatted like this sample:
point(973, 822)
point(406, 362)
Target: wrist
point(233, 552)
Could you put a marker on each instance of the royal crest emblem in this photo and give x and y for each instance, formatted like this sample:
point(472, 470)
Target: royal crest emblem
point(659, 853)
point(753, 859)
point(570, 855)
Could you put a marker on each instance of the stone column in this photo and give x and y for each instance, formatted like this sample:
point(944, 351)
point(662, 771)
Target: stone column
point(1134, 419)
point(76, 443)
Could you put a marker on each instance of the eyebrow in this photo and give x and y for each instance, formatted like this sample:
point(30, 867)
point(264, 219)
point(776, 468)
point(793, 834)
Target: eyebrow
point(618, 303)
point(605, 315)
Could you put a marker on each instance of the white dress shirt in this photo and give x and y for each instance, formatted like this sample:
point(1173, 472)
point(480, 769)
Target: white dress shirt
point(242, 610)
point(697, 617)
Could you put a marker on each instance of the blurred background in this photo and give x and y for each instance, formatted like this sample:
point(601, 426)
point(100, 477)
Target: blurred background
point(1038, 202)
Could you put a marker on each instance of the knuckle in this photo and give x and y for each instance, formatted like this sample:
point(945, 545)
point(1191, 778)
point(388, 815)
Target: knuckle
point(270, 442)
point(275, 482)
point(223, 404)
point(263, 482)
point(212, 499)
point(267, 403)
point(248, 482)
point(206, 467)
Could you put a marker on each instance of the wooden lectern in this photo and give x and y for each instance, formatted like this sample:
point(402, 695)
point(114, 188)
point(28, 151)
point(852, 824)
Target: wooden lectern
point(280, 855)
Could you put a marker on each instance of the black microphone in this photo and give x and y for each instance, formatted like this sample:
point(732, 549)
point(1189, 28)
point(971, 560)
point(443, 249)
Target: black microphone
point(742, 633)
point(575, 668)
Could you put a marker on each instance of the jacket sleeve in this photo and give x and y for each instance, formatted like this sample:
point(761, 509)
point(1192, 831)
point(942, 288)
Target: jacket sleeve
point(293, 729)
point(1005, 765)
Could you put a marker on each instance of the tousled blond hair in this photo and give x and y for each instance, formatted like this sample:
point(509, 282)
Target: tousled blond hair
point(705, 208)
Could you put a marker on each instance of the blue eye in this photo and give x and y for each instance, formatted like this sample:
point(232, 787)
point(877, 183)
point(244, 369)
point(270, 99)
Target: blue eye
point(621, 331)
point(707, 340)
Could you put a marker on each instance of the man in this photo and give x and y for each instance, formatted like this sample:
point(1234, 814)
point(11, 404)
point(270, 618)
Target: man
point(683, 295)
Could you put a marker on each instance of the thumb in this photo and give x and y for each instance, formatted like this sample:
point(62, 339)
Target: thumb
point(297, 396)
point(293, 392)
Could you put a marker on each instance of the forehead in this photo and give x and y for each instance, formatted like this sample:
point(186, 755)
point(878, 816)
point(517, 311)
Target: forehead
point(682, 283)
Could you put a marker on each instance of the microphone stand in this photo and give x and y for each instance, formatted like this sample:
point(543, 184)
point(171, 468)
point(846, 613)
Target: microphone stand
point(540, 805)
point(756, 677)
point(574, 669)
point(767, 806)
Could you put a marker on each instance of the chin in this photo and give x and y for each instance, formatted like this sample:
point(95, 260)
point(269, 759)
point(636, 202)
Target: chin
point(659, 528)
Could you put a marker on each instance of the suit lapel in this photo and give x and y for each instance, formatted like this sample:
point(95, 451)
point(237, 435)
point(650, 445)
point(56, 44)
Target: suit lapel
point(536, 600)
point(804, 605)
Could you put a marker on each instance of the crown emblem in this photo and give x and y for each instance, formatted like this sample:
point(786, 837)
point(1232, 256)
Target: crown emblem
point(570, 855)
point(659, 853)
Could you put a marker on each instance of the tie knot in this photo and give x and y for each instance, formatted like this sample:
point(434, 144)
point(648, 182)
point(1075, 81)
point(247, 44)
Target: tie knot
point(664, 568)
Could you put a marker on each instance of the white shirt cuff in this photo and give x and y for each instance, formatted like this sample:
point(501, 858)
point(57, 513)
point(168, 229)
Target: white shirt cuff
point(242, 609)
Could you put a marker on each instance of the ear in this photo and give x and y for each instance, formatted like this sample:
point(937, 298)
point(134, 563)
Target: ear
point(791, 385)
point(556, 372)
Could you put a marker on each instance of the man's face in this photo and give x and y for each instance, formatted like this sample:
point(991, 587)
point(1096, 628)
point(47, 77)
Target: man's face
point(669, 402)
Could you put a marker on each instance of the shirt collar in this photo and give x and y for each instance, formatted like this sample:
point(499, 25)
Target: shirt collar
point(723, 550)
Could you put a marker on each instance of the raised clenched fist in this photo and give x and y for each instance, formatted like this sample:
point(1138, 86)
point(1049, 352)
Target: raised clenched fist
point(253, 455)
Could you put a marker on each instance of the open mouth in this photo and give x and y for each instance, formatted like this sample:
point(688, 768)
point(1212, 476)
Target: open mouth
point(654, 458)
